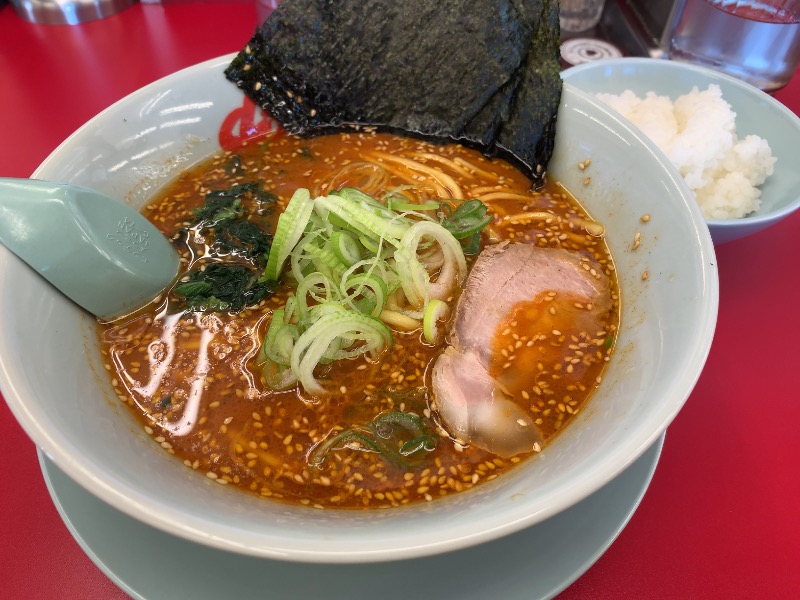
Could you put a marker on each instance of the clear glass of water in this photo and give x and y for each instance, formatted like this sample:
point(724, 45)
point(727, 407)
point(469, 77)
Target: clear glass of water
point(755, 40)
point(580, 15)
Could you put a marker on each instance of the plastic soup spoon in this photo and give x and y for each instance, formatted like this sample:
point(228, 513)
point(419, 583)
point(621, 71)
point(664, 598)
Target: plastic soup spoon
point(100, 252)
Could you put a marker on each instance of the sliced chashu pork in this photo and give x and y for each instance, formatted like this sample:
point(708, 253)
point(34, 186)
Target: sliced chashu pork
point(477, 405)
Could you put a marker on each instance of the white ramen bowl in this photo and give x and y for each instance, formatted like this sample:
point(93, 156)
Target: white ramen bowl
point(52, 375)
point(757, 113)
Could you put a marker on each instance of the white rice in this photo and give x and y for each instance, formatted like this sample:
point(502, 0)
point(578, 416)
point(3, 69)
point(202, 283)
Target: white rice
point(698, 134)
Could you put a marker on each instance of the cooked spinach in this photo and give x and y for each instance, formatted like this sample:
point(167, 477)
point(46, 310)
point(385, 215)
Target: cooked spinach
point(402, 438)
point(261, 196)
point(230, 230)
point(234, 165)
point(217, 209)
point(243, 237)
point(305, 152)
point(222, 287)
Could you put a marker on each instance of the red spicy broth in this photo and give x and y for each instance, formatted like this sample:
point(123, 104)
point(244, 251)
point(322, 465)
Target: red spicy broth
point(192, 380)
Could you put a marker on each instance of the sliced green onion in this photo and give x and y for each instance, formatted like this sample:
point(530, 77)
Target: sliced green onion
point(410, 421)
point(401, 204)
point(354, 286)
point(382, 436)
point(375, 266)
point(300, 264)
point(289, 309)
point(291, 225)
point(319, 287)
point(279, 341)
point(365, 200)
point(345, 247)
point(340, 221)
point(380, 248)
point(436, 314)
point(423, 442)
point(278, 377)
point(358, 266)
point(323, 258)
point(414, 277)
point(314, 343)
point(468, 219)
point(317, 458)
point(472, 245)
point(363, 221)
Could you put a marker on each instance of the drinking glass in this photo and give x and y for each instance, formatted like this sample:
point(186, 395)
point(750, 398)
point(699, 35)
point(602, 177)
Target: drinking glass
point(580, 15)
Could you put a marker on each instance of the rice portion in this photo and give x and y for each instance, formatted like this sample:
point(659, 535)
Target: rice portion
point(698, 133)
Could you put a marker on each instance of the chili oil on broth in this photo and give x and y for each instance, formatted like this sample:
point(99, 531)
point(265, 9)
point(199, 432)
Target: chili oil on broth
point(191, 380)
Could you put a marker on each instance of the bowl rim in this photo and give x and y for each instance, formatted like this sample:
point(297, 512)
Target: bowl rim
point(616, 462)
point(677, 65)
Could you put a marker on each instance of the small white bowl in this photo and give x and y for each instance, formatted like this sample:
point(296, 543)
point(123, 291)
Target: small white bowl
point(53, 379)
point(756, 113)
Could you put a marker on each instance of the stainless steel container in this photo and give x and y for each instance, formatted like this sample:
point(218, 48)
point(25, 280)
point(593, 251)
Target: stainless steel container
point(68, 12)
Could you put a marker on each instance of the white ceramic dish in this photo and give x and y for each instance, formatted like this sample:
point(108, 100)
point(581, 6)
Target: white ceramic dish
point(511, 567)
point(54, 382)
point(757, 113)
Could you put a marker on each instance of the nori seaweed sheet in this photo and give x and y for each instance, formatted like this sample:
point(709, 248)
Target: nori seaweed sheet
point(485, 73)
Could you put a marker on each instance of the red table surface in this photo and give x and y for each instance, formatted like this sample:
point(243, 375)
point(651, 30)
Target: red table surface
point(720, 519)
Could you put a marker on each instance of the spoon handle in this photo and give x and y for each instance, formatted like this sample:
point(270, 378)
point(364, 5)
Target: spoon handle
point(100, 252)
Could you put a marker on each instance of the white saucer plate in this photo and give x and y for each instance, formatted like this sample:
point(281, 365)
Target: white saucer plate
point(536, 563)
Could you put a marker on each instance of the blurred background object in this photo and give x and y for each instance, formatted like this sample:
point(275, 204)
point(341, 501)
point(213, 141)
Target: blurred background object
point(580, 15)
point(757, 41)
point(633, 27)
point(68, 12)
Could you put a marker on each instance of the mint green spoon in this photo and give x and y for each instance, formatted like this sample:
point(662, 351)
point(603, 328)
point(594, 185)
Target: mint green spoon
point(100, 252)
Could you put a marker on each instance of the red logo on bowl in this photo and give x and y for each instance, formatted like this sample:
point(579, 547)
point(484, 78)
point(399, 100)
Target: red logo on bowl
point(245, 123)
